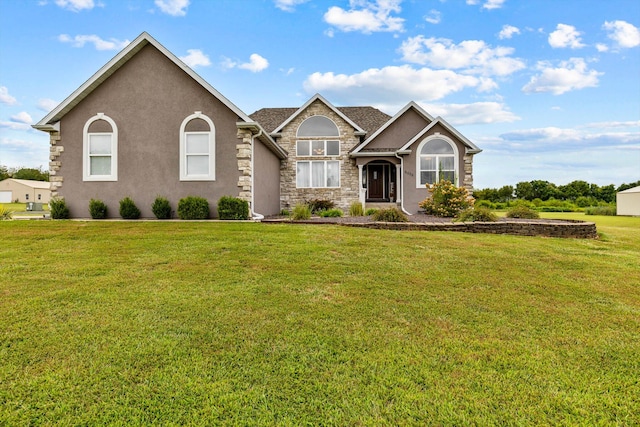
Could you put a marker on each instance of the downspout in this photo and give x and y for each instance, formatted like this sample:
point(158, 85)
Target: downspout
point(254, 215)
point(401, 189)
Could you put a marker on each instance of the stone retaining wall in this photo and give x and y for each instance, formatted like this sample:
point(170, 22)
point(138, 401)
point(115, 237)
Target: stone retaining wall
point(568, 229)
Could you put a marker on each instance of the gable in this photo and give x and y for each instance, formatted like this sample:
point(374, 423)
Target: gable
point(397, 133)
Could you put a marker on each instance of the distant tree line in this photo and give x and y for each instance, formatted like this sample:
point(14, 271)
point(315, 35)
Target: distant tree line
point(24, 173)
point(578, 192)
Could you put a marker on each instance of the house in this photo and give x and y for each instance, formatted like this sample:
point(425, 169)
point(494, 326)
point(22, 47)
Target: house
point(146, 125)
point(628, 202)
point(24, 191)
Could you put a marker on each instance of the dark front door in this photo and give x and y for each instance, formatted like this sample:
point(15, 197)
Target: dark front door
point(375, 180)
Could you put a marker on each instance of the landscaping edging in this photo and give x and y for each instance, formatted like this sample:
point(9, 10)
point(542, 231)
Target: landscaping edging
point(566, 229)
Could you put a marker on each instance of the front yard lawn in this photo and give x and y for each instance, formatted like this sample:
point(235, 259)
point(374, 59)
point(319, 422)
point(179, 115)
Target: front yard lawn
point(242, 324)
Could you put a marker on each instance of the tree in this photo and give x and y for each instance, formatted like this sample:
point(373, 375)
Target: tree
point(524, 190)
point(31, 173)
point(505, 193)
point(576, 189)
point(4, 172)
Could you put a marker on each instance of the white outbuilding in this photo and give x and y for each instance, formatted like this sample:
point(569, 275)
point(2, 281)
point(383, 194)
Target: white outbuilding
point(628, 202)
point(24, 191)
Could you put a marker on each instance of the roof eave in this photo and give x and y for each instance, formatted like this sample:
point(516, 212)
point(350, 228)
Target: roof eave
point(257, 129)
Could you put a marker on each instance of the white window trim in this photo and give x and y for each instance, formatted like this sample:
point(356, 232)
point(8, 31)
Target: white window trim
point(86, 162)
point(211, 176)
point(325, 172)
point(455, 159)
point(310, 144)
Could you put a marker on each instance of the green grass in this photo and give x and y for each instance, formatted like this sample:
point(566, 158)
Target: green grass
point(142, 323)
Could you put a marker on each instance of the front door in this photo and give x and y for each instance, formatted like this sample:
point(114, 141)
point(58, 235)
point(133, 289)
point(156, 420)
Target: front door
point(375, 180)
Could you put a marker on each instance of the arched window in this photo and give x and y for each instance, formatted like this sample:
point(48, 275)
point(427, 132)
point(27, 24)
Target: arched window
point(197, 148)
point(100, 149)
point(437, 160)
point(318, 126)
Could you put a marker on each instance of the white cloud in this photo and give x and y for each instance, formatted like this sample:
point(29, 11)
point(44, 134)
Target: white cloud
point(366, 16)
point(565, 36)
point(256, 63)
point(623, 33)
point(475, 113)
point(195, 58)
point(173, 7)
point(46, 104)
point(99, 43)
point(601, 47)
point(288, 5)
point(472, 56)
point(17, 153)
point(22, 117)
point(551, 138)
point(488, 4)
point(76, 5)
point(434, 17)
point(508, 31)
point(570, 75)
point(390, 84)
point(5, 98)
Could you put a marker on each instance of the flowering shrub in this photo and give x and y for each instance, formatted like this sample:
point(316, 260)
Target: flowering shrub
point(446, 199)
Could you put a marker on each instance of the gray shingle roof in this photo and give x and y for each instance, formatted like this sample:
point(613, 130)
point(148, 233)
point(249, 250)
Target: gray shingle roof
point(368, 118)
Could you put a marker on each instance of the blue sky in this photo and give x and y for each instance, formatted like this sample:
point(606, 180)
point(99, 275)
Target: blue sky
point(548, 89)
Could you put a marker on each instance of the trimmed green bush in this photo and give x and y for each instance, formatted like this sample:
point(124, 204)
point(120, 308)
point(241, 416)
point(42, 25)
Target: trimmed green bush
point(446, 199)
point(300, 212)
point(355, 209)
point(317, 205)
point(331, 213)
point(390, 215)
point(97, 209)
point(601, 210)
point(193, 207)
point(59, 209)
point(233, 208)
point(371, 211)
point(476, 214)
point(522, 211)
point(161, 208)
point(128, 209)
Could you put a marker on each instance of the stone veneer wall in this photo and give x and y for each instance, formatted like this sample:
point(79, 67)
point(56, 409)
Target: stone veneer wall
point(54, 164)
point(243, 157)
point(348, 191)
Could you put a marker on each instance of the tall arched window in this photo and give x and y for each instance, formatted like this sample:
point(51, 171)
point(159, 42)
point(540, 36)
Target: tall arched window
point(316, 138)
point(100, 149)
point(437, 160)
point(197, 148)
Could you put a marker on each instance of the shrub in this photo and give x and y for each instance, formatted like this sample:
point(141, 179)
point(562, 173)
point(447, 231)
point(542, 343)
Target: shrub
point(601, 210)
point(97, 209)
point(233, 208)
point(371, 211)
point(476, 213)
point(522, 211)
point(317, 205)
point(285, 212)
point(300, 212)
point(485, 204)
point(5, 214)
point(193, 207)
point(356, 209)
point(59, 209)
point(161, 208)
point(390, 215)
point(128, 209)
point(331, 213)
point(446, 199)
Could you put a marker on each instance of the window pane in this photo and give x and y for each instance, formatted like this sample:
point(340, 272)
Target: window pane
point(427, 177)
point(446, 163)
point(100, 144)
point(333, 148)
point(318, 126)
point(427, 163)
point(302, 174)
point(100, 165)
point(333, 174)
point(317, 174)
point(317, 148)
point(197, 143)
point(302, 148)
point(437, 146)
point(197, 165)
point(448, 175)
